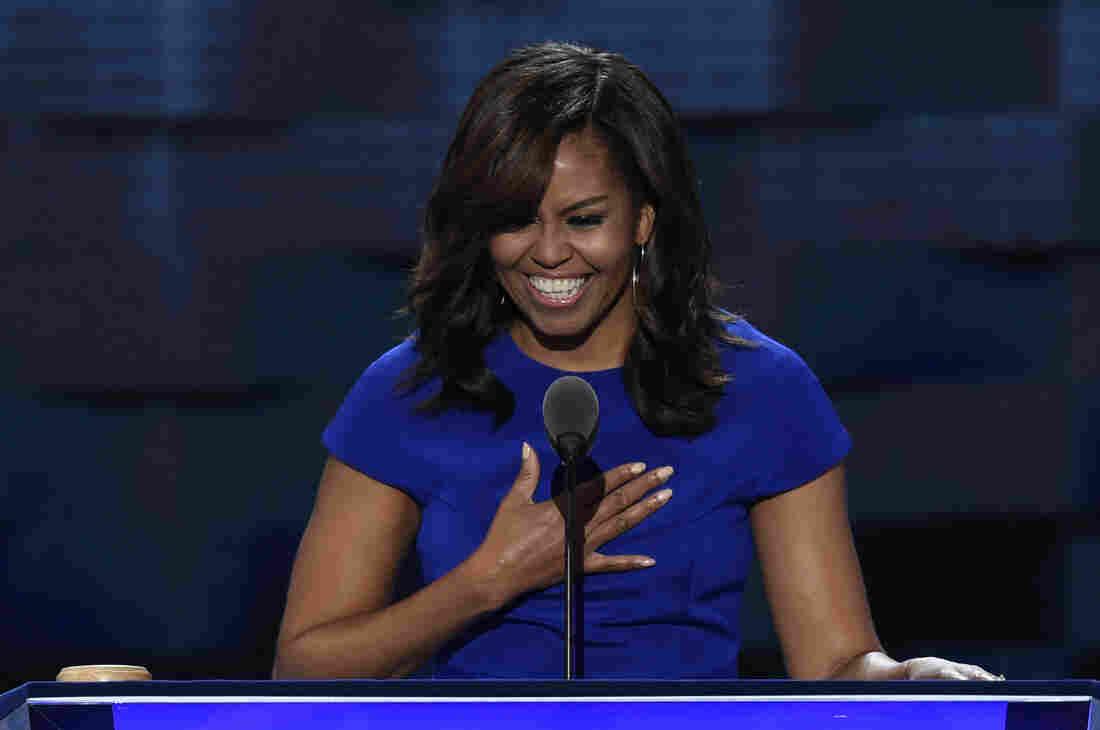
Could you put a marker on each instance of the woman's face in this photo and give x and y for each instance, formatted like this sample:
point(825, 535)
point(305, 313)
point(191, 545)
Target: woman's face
point(568, 271)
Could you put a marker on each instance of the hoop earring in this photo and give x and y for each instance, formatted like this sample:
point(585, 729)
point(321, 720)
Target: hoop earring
point(634, 276)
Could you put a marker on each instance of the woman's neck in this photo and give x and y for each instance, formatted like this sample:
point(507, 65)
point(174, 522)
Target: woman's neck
point(593, 353)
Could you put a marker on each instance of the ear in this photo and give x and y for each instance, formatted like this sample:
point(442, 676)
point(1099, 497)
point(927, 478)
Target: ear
point(646, 218)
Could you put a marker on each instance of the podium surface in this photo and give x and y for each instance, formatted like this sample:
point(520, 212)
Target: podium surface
point(552, 705)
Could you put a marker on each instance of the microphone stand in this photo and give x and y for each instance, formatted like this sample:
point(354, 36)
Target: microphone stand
point(570, 440)
point(571, 414)
point(570, 564)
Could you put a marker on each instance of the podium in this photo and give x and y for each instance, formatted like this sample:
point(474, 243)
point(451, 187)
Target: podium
point(553, 705)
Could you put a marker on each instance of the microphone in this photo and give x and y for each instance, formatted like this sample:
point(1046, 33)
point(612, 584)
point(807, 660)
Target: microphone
point(571, 414)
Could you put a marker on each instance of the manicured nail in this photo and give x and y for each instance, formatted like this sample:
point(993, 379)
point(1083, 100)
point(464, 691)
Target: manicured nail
point(662, 496)
point(637, 468)
point(647, 562)
point(664, 473)
point(526, 451)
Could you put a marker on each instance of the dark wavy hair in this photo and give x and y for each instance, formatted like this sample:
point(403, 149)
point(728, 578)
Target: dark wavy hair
point(495, 174)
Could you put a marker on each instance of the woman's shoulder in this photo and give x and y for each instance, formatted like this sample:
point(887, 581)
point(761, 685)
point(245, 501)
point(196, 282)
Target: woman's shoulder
point(756, 355)
point(380, 379)
point(396, 360)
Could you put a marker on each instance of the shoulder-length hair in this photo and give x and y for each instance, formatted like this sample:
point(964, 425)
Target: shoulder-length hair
point(495, 174)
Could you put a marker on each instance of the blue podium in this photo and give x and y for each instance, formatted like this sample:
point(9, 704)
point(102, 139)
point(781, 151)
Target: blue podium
point(552, 705)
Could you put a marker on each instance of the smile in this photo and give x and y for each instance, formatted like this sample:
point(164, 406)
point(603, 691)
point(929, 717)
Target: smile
point(557, 292)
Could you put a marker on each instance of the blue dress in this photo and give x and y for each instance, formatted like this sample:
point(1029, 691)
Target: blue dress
point(776, 431)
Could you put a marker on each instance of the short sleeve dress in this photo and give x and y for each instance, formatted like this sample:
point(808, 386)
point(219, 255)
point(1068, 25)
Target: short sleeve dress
point(776, 430)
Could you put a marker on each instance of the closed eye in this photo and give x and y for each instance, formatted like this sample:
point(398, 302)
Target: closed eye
point(586, 221)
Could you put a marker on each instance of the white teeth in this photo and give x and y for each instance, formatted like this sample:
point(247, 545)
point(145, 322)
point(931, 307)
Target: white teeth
point(561, 288)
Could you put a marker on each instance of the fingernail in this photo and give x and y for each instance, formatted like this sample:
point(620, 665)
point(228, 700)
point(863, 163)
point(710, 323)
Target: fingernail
point(637, 468)
point(647, 562)
point(662, 496)
point(664, 473)
point(526, 450)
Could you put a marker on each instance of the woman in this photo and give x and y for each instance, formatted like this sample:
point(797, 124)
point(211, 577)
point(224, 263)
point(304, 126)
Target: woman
point(565, 236)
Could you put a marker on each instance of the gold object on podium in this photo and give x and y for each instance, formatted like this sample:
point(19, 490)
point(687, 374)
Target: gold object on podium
point(104, 673)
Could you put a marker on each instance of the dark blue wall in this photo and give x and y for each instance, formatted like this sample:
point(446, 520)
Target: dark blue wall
point(208, 209)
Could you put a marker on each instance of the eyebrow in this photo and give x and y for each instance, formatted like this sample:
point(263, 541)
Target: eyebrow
point(584, 204)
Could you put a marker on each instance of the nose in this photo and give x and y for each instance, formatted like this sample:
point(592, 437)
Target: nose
point(551, 247)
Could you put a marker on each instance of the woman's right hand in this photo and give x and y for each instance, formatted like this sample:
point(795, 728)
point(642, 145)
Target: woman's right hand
point(525, 546)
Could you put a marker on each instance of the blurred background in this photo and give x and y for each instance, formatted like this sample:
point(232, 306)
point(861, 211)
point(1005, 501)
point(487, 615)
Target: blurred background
point(209, 206)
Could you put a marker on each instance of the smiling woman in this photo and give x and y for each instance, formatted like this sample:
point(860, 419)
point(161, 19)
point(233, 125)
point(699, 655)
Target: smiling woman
point(564, 235)
point(567, 270)
point(569, 163)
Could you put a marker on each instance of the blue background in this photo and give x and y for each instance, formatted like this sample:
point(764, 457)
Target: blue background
point(208, 209)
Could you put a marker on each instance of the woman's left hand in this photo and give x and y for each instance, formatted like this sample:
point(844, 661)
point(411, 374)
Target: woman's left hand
point(930, 667)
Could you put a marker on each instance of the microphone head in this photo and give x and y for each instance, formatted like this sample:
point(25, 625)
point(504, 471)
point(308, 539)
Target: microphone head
point(571, 414)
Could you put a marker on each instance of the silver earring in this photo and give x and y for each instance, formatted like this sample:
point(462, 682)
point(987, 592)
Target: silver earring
point(634, 276)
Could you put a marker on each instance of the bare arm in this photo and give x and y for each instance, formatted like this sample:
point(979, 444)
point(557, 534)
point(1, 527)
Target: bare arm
point(815, 587)
point(339, 621)
point(344, 574)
